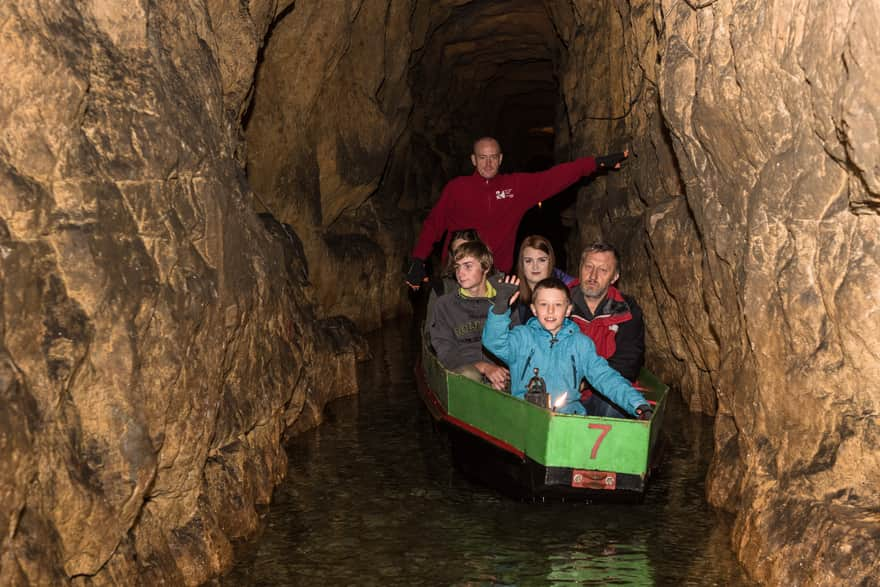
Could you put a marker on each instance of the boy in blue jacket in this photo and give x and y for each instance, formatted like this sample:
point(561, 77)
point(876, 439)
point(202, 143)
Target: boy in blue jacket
point(555, 345)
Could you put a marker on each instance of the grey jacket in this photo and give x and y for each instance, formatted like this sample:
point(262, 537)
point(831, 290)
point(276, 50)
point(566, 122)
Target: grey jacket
point(455, 324)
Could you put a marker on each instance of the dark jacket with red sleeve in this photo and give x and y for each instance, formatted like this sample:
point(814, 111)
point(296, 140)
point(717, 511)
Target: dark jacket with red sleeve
point(494, 207)
point(617, 329)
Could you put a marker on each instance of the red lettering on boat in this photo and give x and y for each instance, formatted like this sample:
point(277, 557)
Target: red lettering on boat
point(605, 428)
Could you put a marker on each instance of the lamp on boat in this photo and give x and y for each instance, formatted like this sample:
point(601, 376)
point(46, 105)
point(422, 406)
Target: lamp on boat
point(536, 391)
point(560, 401)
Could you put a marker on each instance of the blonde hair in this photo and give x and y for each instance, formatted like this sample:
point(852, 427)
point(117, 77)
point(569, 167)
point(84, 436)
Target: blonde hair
point(478, 250)
point(466, 234)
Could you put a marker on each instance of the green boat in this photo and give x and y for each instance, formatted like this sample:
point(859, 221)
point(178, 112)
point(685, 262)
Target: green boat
point(531, 452)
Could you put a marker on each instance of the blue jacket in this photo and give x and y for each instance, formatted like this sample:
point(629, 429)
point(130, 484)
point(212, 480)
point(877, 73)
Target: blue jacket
point(562, 362)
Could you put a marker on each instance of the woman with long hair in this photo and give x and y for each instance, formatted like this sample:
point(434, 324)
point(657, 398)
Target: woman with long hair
point(536, 261)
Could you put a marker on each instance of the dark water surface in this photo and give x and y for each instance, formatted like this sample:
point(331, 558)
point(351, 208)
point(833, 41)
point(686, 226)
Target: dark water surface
point(371, 498)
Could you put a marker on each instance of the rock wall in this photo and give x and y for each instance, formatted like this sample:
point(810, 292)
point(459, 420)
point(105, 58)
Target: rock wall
point(364, 109)
point(332, 105)
point(749, 218)
point(155, 338)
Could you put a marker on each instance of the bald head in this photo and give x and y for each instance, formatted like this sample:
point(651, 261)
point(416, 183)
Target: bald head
point(486, 157)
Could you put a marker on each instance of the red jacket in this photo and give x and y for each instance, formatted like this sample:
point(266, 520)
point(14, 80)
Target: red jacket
point(494, 207)
point(617, 329)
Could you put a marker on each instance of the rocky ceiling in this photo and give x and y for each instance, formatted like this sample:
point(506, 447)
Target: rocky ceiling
point(158, 336)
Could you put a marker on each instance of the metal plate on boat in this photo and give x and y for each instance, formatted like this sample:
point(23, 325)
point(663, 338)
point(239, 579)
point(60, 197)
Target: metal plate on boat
point(593, 479)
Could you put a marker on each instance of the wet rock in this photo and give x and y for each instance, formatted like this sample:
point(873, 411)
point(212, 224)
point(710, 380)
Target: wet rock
point(332, 103)
point(746, 214)
point(149, 363)
point(159, 339)
point(751, 200)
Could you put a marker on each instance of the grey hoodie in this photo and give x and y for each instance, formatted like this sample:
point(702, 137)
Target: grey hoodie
point(455, 324)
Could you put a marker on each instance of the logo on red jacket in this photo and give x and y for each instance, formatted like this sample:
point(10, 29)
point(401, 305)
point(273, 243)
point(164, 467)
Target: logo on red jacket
point(504, 194)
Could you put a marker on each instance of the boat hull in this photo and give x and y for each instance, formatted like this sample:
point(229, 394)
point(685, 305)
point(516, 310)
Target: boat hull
point(530, 452)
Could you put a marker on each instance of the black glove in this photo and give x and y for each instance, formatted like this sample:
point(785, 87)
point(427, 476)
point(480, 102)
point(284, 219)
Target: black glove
point(610, 160)
point(502, 296)
point(644, 412)
point(416, 274)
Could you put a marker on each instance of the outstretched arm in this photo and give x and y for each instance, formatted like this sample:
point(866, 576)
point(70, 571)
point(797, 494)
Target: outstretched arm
point(608, 381)
point(612, 160)
point(540, 186)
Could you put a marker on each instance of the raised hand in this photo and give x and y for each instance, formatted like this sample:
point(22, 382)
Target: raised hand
point(506, 293)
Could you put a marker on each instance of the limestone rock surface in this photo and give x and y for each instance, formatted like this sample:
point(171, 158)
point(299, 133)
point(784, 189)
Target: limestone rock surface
point(156, 339)
point(332, 103)
point(749, 214)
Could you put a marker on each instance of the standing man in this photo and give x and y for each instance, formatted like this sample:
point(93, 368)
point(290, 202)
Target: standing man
point(494, 204)
point(612, 320)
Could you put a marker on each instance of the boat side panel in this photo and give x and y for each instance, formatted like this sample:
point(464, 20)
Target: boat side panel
point(652, 388)
point(499, 415)
point(602, 444)
point(552, 440)
point(657, 392)
point(436, 377)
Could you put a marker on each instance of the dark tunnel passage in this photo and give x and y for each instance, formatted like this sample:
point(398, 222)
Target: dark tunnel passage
point(483, 69)
point(490, 69)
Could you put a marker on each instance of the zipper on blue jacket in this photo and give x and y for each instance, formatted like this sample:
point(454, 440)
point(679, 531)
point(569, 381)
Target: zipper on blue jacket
point(574, 372)
point(526, 367)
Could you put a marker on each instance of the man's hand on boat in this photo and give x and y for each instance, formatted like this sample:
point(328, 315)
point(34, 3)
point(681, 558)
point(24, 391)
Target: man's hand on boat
point(497, 376)
point(507, 292)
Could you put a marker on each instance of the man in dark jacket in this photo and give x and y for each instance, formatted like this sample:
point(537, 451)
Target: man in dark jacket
point(612, 320)
point(494, 204)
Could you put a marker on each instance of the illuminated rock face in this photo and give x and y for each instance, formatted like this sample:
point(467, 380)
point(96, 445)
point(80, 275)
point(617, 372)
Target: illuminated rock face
point(159, 337)
point(156, 339)
point(749, 218)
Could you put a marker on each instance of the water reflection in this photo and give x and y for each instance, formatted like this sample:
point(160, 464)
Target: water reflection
point(371, 498)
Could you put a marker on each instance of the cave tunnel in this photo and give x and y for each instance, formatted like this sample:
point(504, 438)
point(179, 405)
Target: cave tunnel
point(205, 204)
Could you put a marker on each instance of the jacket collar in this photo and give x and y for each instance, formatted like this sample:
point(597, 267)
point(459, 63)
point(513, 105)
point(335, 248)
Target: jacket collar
point(612, 303)
point(477, 177)
point(492, 283)
point(568, 329)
